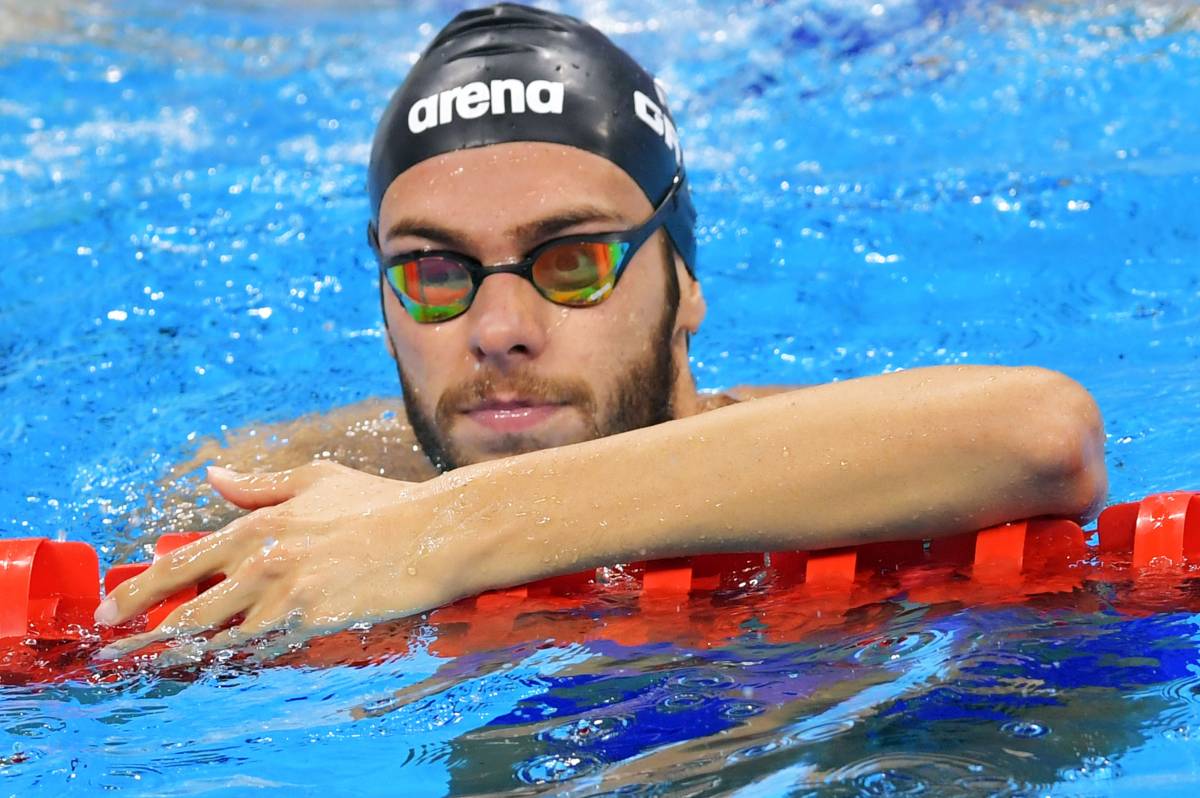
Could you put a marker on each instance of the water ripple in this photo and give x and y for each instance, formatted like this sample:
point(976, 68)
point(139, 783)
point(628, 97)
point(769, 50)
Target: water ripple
point(1024, 729)
point(897, 649)
point(913, 774)
point(683, 702)
point(554, 768)
point(737, 710)
point(588, 731)
point(712, 680)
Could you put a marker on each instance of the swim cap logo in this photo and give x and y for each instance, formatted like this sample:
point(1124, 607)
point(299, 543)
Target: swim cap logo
point(475, 99)
point(649, 112)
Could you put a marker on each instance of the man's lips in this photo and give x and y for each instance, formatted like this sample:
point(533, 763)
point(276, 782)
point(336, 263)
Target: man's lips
point(511, 415)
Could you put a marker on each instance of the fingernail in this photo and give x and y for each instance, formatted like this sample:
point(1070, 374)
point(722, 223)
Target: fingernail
point(221, 471)
point(106, 613)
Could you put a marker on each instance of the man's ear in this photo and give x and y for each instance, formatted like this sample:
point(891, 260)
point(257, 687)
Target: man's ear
point(692, 307)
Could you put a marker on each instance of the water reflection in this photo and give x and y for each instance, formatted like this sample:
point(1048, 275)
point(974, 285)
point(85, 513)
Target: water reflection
point(1001, 700)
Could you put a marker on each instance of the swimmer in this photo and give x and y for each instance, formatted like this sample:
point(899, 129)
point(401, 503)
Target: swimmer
point(539, 283)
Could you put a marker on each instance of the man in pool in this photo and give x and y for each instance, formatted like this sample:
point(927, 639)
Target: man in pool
point(539, 284)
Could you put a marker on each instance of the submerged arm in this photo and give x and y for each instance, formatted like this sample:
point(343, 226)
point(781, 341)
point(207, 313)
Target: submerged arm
point(921, 453)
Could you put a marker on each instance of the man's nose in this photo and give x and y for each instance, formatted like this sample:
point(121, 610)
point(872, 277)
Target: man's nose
point(508, 321)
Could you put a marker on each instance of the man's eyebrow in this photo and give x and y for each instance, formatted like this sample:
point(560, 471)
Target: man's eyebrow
point(418, 228)
point(530, 233)
point(548, 227)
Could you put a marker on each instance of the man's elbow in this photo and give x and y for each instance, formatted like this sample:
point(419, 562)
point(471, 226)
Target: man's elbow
point(1065, 445)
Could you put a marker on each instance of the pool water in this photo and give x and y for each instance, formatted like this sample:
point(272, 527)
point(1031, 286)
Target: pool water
point(881, 185)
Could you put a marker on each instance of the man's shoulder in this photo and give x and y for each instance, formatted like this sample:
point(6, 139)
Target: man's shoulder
point(372, 435)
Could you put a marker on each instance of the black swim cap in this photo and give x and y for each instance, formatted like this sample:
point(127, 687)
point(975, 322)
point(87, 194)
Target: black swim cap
point(513, 73)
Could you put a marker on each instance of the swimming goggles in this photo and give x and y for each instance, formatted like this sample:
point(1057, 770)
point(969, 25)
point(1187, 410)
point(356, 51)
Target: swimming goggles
point(575, 271)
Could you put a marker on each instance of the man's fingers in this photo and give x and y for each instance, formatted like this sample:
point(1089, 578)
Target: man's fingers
point(276, 637)
point(182, 568)
point(226, 638)
point(253, 491)
point(210, 609)
point(260, 635)
point(128, 645)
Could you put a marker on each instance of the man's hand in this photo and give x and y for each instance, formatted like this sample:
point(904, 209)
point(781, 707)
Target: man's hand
point(325, 546)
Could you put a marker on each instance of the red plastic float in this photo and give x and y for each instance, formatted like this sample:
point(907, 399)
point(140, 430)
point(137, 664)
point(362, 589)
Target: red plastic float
point(49, 590)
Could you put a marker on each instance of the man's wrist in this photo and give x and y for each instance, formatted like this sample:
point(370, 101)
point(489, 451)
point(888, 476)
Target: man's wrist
point(475, 536)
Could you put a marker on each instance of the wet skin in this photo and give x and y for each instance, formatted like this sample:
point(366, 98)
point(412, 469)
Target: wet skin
point(538, 374)
point(531, 398)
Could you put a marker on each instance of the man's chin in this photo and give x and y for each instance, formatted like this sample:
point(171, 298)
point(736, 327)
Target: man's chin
point(508, 446)
point(479, 446)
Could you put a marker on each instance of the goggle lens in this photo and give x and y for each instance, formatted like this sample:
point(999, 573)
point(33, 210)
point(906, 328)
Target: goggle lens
point(580, 273)
point(432, 288)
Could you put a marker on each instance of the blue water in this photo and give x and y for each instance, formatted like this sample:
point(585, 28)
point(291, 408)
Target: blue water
point(880, 186)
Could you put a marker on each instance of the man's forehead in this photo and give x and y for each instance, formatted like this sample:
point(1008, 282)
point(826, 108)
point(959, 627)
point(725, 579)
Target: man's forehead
point(524, 190)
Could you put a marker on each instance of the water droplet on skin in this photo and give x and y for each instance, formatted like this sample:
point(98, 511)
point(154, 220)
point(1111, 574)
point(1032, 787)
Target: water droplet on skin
point(412, 571)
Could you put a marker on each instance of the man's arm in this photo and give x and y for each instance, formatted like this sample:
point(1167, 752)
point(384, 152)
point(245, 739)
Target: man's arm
point(920, 453)
point(917, 454)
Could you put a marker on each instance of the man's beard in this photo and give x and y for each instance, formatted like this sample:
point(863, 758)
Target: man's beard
point(642, 398)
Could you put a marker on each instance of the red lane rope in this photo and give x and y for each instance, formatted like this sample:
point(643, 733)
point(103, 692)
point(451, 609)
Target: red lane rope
point(49, 589)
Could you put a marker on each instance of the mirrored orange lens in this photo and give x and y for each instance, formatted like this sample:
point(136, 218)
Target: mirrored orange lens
point(431, 288)
point(580, 273)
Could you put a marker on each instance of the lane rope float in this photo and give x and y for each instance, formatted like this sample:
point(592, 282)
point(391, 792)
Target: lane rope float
point(50, 589)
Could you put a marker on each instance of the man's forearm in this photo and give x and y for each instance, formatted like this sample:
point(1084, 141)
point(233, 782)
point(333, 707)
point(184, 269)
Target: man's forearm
point(921, 453)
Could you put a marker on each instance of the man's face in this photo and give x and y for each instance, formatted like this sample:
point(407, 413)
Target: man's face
point(517, 373)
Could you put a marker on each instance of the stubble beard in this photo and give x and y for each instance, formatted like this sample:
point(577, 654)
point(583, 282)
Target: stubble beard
point(643, 397)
